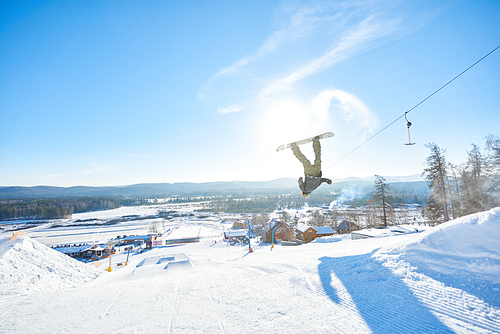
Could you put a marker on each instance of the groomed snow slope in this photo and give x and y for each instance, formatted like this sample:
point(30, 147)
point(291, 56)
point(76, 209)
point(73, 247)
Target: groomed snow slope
point(27, 266)
point(463, 253)
point(395, 284)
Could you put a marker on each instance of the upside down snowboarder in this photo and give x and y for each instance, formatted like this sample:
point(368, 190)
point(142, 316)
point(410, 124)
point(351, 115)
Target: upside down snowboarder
point(312, 172)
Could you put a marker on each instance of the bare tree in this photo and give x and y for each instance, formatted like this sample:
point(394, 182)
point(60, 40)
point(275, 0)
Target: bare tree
point(372, 214)
point(333, 218)
point(318, 218)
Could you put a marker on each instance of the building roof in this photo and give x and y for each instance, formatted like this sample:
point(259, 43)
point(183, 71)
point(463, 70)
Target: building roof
point(94, 248)
point(236, 233)
point(79, 249)
point(344, 226)
point(324, 230)
point(273, 223)
point(72, 249)
point(137, 237)
point(303, 227)
point(319, 230)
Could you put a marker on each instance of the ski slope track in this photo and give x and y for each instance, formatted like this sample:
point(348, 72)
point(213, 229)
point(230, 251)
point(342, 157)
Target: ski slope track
point(445, 279)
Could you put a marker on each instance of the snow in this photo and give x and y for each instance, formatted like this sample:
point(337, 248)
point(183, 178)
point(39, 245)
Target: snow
point(27, 266)
point(332, 238)
point(463, 253)
point(387, 231)
point(444, 279)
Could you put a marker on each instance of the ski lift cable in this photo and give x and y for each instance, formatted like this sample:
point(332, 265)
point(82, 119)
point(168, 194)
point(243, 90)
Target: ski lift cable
point(446, 84)
point(390, 124)
point(414, 107)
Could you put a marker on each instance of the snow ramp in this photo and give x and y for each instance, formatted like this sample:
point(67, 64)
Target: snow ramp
point(154, 266)
point(28, 266)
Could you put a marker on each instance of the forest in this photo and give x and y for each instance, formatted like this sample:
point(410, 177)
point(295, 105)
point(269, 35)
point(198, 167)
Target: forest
point(470, 187)
point(53, 208)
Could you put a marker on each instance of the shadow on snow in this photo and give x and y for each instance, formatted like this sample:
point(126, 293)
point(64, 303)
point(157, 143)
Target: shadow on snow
point(473, 284)
point(384, 302)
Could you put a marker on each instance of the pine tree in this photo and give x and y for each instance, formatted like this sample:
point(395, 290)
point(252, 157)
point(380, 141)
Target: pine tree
point(381, 195)
point(493, 148)
point(436, 174)
point(454, 188)
point(474, 182)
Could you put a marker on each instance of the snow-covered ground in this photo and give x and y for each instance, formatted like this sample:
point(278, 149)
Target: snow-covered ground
point(27, 266)
point(444, 279)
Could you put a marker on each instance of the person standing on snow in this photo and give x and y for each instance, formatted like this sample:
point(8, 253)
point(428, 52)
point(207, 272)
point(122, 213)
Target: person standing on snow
point(312, 178)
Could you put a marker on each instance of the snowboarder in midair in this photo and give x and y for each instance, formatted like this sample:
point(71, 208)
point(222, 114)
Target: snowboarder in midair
point(312, 178)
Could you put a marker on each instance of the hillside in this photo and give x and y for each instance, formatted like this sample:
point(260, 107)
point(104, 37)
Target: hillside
point(151, 190)
point(444, 279)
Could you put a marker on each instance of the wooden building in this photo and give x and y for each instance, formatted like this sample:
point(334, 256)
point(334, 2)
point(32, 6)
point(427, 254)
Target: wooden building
point(307, 233)
point(282, 231)
point(347, 227)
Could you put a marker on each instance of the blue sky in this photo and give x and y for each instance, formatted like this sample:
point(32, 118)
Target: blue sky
point(123, 92)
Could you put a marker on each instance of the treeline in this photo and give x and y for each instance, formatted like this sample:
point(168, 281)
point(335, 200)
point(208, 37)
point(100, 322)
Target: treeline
point(259, 204)
point(470, 187)
point(244, 205)
point(53, 208)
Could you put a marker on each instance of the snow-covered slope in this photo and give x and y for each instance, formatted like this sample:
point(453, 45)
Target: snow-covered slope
point(468, 245)
point(28, 266)
point(443, 280)
point(463, 253)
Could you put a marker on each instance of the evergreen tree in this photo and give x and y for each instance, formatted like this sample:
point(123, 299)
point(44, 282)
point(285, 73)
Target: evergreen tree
point(474, 182)
point(454, 187)
point(381, 196)
point(493, 148)
point(436, 174)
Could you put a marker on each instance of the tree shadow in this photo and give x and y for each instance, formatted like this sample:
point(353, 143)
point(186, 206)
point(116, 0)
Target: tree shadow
point(384, 302)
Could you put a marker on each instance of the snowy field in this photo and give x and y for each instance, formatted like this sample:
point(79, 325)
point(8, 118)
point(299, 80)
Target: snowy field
point(442, 280)
point(93, 227)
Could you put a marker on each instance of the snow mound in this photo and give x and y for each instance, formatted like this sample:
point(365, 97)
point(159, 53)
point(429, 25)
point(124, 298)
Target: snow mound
point(463, 253)
point(28, 266)
point(332, 238)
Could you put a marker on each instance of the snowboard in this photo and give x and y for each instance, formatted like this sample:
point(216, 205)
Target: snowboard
point(304, 141)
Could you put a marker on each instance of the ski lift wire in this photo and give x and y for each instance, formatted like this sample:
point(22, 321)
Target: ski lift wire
point(449, 82)
point(415, 106)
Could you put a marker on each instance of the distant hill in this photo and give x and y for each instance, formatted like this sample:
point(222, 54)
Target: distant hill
point(148, 190)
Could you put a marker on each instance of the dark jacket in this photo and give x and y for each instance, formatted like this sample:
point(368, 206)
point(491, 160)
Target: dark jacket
point(311, 182)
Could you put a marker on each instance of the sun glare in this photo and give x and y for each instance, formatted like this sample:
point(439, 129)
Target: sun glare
point(286, 121)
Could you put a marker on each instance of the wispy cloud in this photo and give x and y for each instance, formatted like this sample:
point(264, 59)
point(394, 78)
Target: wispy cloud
point(93, 168)
point(299, 24)
point(307, 41)
point(229, 109)
point(356, 39)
